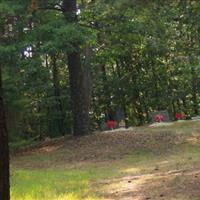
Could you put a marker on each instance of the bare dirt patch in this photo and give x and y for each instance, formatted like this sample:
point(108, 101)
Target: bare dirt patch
point(177, 184)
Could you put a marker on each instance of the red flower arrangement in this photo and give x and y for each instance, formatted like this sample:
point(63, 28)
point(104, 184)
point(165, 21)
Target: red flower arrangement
point(179, 116)
point(159, 118)
point(111, 124)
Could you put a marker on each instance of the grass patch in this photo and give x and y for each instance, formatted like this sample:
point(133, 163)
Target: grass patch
point(47, 176)
point(71, 184)
point(51, 185)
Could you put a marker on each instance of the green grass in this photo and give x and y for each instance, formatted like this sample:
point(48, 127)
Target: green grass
point(70, 184)
point(78, 182)
point(51, 185)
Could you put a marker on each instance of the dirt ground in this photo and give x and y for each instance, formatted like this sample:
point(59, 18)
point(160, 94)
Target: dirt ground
point(174, 172)
point(105, 146)
point(153, 186)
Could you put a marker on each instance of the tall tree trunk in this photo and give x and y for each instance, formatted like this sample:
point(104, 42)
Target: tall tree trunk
point(57, 94)
point(122, 93)
point(194, 91)
point(106, 89)
point(4, 151)
point(80, 93)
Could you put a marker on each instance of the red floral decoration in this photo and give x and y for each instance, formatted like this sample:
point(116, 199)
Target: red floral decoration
point(179, 116)
point(159, 118)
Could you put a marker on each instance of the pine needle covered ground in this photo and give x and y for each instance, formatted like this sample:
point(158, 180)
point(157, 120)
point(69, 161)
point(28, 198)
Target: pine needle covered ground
point(137, 164)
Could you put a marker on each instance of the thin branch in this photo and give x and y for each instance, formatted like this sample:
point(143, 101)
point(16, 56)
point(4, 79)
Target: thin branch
point(56, 7)
point(91, 26)
point(49, 8)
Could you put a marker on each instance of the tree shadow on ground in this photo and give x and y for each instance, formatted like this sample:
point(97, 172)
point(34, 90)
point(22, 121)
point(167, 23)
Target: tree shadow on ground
point(171, 185)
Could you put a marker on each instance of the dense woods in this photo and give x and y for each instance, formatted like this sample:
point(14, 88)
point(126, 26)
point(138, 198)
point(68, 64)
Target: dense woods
point(65, 64)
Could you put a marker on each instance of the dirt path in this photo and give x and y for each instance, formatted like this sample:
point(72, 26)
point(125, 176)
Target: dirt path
point(152, 186)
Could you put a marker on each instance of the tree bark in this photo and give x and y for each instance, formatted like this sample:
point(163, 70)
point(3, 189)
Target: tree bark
point(80, 92)
point(121, 93)
point(57, 94)
point(194, 91)
point(106, 89)
point(79, 95)
point(4, 150)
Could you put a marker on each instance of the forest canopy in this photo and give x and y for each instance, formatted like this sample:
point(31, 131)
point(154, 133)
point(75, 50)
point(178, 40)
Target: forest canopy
point(137, 55)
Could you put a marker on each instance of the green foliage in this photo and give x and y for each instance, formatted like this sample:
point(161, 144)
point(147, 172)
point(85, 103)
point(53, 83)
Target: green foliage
point(144, 57)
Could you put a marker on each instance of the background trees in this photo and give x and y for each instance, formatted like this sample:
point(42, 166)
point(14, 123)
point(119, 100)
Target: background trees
point(142, 56)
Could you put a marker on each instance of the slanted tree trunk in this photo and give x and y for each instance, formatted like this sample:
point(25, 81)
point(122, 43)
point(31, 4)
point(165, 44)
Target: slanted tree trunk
point(4, 152)
point(80, 93)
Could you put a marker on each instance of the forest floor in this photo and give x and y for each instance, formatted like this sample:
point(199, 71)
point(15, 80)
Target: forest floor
point(155, 163)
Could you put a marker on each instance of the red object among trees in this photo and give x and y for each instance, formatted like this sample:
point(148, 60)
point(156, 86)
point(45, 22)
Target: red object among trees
point(179, 116)
point(159, 118)
point(111, 124)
